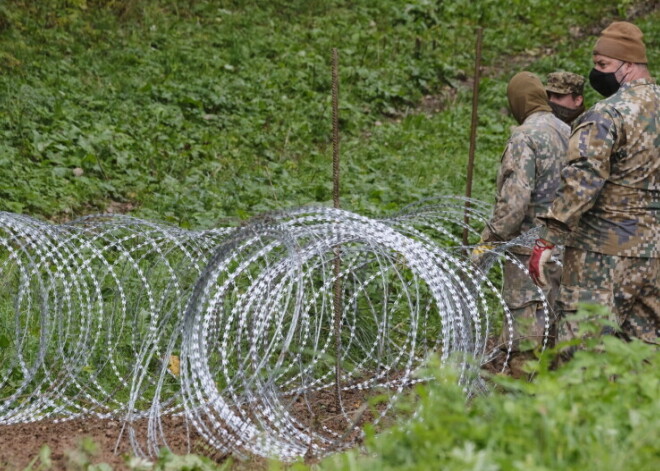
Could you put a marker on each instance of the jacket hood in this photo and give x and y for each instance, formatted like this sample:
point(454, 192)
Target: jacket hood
point(526, 95)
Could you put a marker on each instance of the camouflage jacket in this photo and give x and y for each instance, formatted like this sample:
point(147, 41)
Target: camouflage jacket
point(609, 198)
point(528, 177)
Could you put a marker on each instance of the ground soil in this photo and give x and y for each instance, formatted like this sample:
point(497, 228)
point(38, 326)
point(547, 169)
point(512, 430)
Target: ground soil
point(20, 443)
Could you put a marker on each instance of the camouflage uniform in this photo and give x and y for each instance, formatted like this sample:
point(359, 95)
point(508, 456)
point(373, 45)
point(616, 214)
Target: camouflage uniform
point(607, 211)
point(527, 182)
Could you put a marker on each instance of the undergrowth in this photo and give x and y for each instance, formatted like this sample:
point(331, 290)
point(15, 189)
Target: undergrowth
point(596, 412)
point(202, 113)
point(82, 458)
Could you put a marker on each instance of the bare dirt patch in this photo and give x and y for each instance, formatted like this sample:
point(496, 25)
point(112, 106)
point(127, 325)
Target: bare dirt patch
point(20, 443)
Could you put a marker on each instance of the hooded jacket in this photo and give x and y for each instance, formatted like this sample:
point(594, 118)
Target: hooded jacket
point(528, 176)
point(526, 95)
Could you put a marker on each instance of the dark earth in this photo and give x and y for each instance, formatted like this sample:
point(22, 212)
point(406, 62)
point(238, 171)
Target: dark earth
point(20, 444)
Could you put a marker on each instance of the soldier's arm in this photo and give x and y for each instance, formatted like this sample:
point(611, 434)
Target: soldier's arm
point(515, 181)
point(590, 147)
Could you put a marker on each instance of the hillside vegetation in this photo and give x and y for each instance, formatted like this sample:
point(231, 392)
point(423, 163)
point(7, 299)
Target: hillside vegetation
point(197, 111)
point(205, 113)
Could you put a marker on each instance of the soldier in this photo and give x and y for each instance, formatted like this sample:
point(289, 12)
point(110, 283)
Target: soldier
point(607, 211)
point(565, 94)
point(526, 185)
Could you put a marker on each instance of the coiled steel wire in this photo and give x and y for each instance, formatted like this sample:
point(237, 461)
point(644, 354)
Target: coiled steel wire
point(114, 317)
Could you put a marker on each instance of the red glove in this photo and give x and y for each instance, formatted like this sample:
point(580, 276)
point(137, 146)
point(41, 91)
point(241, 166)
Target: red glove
point(540, 255)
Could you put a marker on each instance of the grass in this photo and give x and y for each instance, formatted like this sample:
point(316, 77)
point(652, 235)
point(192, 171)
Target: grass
point(204, 113)
point(596, 412)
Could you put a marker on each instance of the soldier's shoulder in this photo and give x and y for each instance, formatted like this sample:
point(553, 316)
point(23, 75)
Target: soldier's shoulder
point(628, 101)
point(603, 111)
point(556, 123)
point(640, 90)
point(522, 132)
point(545, 123)
point(591, 117)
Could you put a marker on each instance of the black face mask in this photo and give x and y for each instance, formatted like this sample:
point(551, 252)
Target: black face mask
point(604, 83)
point(564, 113)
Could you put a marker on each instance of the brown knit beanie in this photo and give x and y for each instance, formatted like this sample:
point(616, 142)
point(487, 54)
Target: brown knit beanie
point(623, 41)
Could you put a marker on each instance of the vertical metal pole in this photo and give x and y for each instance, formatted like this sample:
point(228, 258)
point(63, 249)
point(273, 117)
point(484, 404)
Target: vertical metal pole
point(337, 301)
point(473, 131)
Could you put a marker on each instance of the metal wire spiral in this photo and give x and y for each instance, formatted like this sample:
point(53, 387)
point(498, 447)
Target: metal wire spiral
point(95, 311)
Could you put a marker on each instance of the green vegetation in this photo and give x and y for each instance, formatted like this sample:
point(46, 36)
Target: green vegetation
point(195, 112)
point(82, 459)
point(203, 113)
point(597, 412)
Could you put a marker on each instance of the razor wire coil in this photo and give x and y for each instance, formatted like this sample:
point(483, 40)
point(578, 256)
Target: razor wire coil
point(97, 311)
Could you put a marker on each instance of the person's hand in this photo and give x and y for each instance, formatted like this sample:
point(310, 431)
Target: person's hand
point(479, 250)
point(540, 255)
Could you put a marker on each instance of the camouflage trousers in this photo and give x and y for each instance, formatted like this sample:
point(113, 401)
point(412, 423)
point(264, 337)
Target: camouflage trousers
point(528, 327)
point(628, 286)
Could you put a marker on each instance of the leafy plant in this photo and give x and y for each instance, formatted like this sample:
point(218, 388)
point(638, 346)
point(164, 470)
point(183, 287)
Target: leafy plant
point(199, 113)
point(203, 113)
point(80, 459)
point(593, 413)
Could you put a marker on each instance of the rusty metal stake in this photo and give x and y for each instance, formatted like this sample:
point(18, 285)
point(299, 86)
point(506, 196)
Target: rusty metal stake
point(337, 301)
point(473, 131)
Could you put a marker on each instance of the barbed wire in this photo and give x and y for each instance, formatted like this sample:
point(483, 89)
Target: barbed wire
point(232, 329)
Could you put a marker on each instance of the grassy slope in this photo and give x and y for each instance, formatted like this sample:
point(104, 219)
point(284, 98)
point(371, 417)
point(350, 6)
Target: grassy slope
point(222, 109)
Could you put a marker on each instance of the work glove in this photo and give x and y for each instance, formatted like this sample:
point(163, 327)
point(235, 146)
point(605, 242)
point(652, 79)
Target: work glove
point(479, 250)
point(540, 255)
